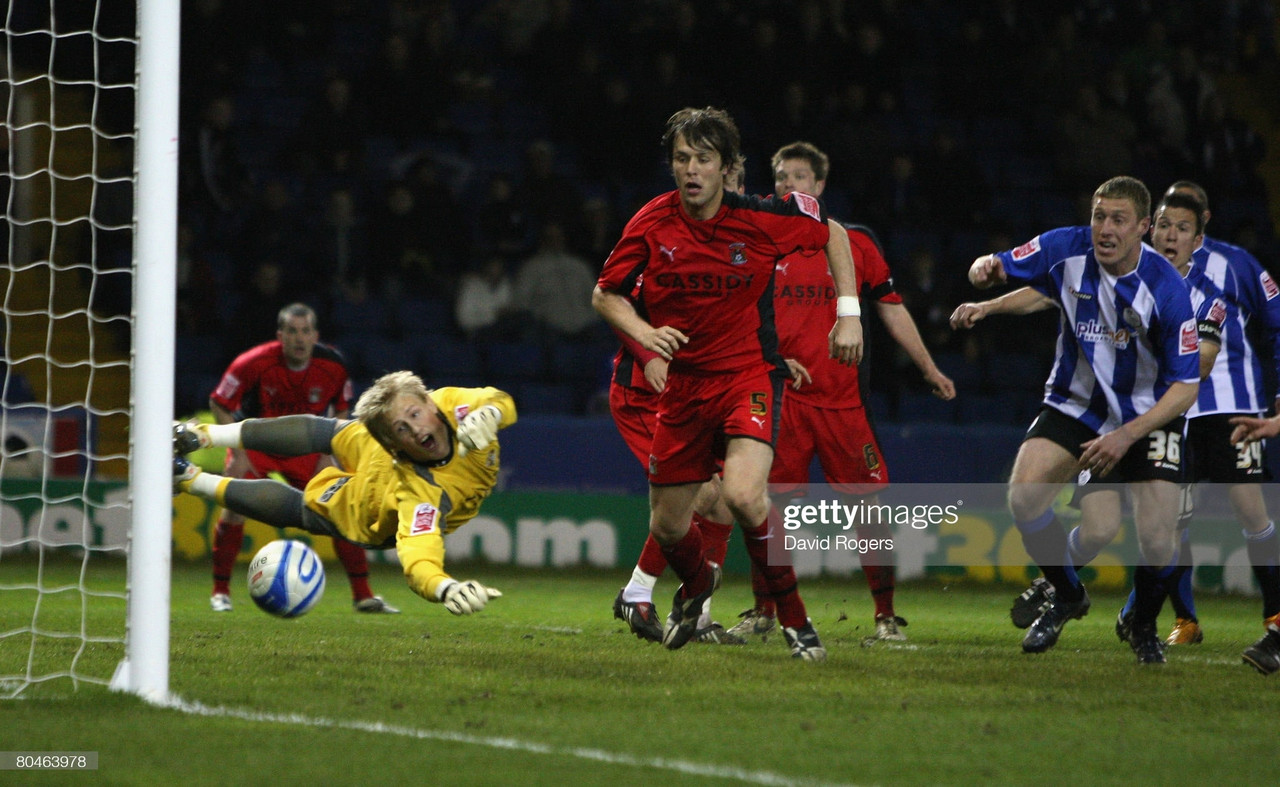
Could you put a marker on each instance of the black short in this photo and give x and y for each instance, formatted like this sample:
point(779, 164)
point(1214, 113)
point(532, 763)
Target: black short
point(1157, 458)
point(1211, 456)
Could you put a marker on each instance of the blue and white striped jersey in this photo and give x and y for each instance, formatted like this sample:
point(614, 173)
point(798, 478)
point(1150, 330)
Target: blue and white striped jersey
point(1238, 383)
point(1215, 314)
point(1122, 340)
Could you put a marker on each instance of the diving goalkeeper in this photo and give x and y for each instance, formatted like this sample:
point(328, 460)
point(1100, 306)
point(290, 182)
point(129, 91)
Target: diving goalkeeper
point(415, 465)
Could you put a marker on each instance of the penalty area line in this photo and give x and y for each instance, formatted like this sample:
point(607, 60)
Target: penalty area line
point(511, 744)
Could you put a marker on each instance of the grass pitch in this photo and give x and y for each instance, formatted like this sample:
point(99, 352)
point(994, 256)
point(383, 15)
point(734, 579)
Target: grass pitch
point(544, 687)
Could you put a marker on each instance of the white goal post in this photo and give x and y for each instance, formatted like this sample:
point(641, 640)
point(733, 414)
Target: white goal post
point(62, 171)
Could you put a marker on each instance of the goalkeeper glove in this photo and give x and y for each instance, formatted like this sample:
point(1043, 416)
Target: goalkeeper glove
point(478, 429)
point(464, 598)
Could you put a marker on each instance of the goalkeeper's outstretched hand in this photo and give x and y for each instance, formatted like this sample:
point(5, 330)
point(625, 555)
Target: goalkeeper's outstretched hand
point(479, 429)
point(464, 598)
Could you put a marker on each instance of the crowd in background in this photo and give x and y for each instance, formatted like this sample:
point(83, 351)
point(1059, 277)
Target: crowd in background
point(442, 180)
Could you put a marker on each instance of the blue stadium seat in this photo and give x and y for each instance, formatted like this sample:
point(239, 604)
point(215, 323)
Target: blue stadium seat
point(517, 360)
point(448, 360)
point(199, 354)
point(545, 399)
point(919, 407)
point(1015, 371)
point(965, 374)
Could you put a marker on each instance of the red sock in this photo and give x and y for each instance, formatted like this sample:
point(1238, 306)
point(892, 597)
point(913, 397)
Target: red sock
point(878, 566)
point(227, 539)
point(652, 561)
point(715, 537)
point(688, 562)
point(356, 562)
point(760, 589)
point(780, 580)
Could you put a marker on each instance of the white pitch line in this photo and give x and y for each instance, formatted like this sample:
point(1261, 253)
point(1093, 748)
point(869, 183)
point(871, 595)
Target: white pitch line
point(512, 744)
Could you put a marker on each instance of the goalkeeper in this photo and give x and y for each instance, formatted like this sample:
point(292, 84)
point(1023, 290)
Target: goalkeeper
point(414, 466)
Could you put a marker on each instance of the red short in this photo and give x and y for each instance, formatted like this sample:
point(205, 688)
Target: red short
point(842, 440)
point(696, 415)
point(297, 470)
point(635, 412)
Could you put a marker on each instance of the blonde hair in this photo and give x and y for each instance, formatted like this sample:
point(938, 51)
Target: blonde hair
point(375, 403)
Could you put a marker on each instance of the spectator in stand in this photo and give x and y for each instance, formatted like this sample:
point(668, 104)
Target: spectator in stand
point(1092, 142)
point(483, 306)
point(294, 374)
point(553, 287)
point(216, 175)
point(332, 130)
point(546, 192)
point(505, 226)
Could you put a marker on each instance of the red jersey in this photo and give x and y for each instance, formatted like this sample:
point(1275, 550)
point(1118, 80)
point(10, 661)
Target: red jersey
point(712, 279)
point(258, 384)
point(804, 299)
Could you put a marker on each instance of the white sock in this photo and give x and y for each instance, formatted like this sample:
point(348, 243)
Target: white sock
point(205, 485)
point(640, 588)
point(224, 435)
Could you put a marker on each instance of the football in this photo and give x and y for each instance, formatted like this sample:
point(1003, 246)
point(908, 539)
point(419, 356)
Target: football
point(286, 578)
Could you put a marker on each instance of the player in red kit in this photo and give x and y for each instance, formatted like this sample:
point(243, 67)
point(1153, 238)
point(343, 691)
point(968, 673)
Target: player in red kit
point(639, 375)
point(292, 375)
point(707, 257)
point(823, 414)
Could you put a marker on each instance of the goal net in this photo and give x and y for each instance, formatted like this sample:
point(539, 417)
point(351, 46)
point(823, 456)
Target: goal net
point(87, 189)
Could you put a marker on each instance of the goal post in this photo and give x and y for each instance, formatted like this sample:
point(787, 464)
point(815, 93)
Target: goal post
point(88, 231)
point(145, 669)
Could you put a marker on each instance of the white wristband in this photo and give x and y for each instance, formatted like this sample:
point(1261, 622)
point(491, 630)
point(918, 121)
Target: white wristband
point(848, 306)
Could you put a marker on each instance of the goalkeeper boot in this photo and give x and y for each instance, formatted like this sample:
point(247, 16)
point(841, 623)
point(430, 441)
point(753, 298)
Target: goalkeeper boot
point(1044, 633)
point(1032, 603)
point(754, 623)
point(1146, 644)
point(716, 634)
point(682, 623)
point(374, 605)
point(804, 642)
point(183, 474)
point(188, 438)
point(640, 617)
point(1186, 631)
point(1264, 655)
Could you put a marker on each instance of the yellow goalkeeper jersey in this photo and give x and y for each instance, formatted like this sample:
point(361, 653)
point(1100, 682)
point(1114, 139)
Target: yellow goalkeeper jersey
point(377, 500)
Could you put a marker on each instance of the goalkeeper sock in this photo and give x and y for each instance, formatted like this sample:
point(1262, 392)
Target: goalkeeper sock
point(780, 579)
point(356, 563)
point(652, 562)
point(640, 588)
point(877, 565)
point(227, 539)
point(223, 435)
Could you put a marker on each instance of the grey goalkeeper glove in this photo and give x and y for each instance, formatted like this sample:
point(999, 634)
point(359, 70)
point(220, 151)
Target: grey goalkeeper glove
point(479, 429)
point(464, 598)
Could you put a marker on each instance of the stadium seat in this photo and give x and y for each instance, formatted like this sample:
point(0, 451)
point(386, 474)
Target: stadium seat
point(516, 360)
point(545, 399)
point(447, 360)
point(916, 406)
point(966, 374)
point(1015, 371)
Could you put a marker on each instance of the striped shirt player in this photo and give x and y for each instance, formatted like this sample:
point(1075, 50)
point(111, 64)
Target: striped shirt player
point(1238, 385)
point(1123, 340)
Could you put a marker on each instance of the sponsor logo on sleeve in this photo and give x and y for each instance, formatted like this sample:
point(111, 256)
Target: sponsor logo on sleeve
point(228, 386)
point(1218, 312)
point(807, 204)
point(460, 412)
point(1027, 249)
point(1189, 340)
point(424, 519)
point(1269, 285)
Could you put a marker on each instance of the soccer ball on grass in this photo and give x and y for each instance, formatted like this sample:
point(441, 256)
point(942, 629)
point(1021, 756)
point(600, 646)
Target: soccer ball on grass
point(286, 578)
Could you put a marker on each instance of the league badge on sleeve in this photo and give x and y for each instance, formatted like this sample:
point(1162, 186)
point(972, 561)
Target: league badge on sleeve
point(1189, 340)
point(424, 519)
point(1269, 285)
point(1026, 249)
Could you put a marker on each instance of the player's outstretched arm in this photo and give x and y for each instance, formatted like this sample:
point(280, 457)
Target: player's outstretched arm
point(1023, 300)
point(903, 329)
